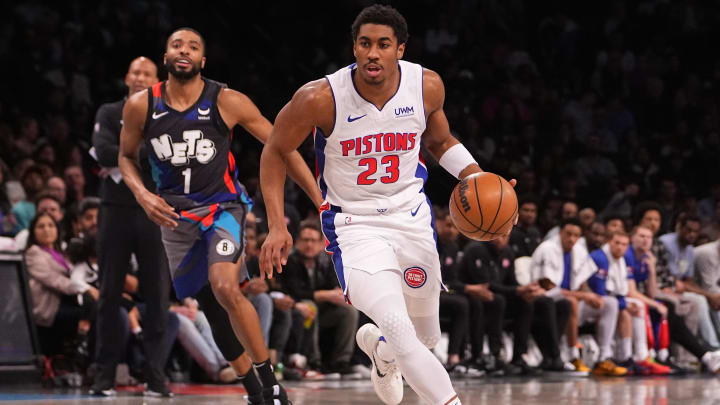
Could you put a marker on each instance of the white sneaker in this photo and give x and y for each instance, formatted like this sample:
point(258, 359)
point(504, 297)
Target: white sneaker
point(711, 360)
point(386, 378)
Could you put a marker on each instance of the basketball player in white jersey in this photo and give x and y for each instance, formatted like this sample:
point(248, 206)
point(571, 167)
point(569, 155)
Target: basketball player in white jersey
point(369, 120)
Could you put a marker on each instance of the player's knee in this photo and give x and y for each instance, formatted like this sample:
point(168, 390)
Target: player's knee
point(398, 331)
point(228, 294)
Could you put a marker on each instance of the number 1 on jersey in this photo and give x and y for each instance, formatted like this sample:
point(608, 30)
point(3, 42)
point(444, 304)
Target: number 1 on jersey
point(186, 174)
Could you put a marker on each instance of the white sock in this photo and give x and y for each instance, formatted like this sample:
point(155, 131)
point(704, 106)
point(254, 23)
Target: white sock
point(574, 353)
point(605, 353)
point(663, 354)
point(137, 330)
point(640, 345)
point(384, 352)
point(625, 348)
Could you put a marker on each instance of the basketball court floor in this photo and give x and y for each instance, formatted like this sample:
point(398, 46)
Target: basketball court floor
point(552, 391)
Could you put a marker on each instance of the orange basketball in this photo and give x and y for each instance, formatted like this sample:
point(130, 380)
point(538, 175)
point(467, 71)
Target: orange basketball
point(483, 206)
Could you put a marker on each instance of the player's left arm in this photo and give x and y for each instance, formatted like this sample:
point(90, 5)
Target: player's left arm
point(236, 107)
point(437, 137)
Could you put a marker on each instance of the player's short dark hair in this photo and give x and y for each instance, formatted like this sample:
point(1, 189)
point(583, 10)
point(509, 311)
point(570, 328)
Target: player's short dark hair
point(644, 207)
point(570, 221)
point(382, 15)
point(193, 30)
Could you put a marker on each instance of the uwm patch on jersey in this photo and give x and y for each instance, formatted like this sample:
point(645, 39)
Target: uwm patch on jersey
point(371, 162)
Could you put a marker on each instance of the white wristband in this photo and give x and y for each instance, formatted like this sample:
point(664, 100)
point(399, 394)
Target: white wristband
point(456, 159)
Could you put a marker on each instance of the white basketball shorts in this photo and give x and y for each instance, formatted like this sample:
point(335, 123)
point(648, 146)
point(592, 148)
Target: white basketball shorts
point(403, 240)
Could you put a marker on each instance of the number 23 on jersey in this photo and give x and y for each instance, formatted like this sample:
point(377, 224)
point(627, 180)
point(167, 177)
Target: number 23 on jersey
point(389, 162)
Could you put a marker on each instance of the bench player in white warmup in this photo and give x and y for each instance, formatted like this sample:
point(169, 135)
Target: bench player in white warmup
point(369, 120)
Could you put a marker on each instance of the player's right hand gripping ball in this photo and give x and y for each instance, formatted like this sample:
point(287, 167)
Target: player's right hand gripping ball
point(483, 206)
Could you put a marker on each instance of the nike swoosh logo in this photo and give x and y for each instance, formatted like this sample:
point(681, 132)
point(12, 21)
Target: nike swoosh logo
point(156, 115)
point(377, 370)
point(415, 211)
point(351, 119)
point(204, 112)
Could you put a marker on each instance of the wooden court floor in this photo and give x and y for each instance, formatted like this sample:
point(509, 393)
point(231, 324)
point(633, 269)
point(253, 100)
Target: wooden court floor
point(551, 391)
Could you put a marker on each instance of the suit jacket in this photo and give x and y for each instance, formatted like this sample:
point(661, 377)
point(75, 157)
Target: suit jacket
point(49, 280)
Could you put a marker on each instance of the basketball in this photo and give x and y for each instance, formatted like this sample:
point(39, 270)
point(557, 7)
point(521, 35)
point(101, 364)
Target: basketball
point(483, 206)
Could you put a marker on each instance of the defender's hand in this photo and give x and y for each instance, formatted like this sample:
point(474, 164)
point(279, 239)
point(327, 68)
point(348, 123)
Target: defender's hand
point(275, 251)
point(158, 210)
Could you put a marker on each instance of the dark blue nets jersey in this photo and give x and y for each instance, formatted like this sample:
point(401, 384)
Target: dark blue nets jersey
point(189, 151)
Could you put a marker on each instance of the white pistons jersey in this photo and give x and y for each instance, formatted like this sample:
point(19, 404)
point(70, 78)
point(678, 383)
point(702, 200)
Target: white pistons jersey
point(370, 162)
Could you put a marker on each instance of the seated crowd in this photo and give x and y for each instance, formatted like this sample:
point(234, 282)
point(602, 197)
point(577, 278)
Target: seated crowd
point(607, 296)
point(604, 295)
point(602, 106)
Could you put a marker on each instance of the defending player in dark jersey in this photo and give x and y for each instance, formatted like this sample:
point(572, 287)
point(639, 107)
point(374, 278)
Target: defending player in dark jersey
point(186, 125)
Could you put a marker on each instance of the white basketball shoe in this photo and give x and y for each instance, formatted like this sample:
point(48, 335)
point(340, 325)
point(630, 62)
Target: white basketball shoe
point(386, 377)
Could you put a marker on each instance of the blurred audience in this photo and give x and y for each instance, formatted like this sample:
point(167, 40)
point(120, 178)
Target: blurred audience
point(600, 108)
